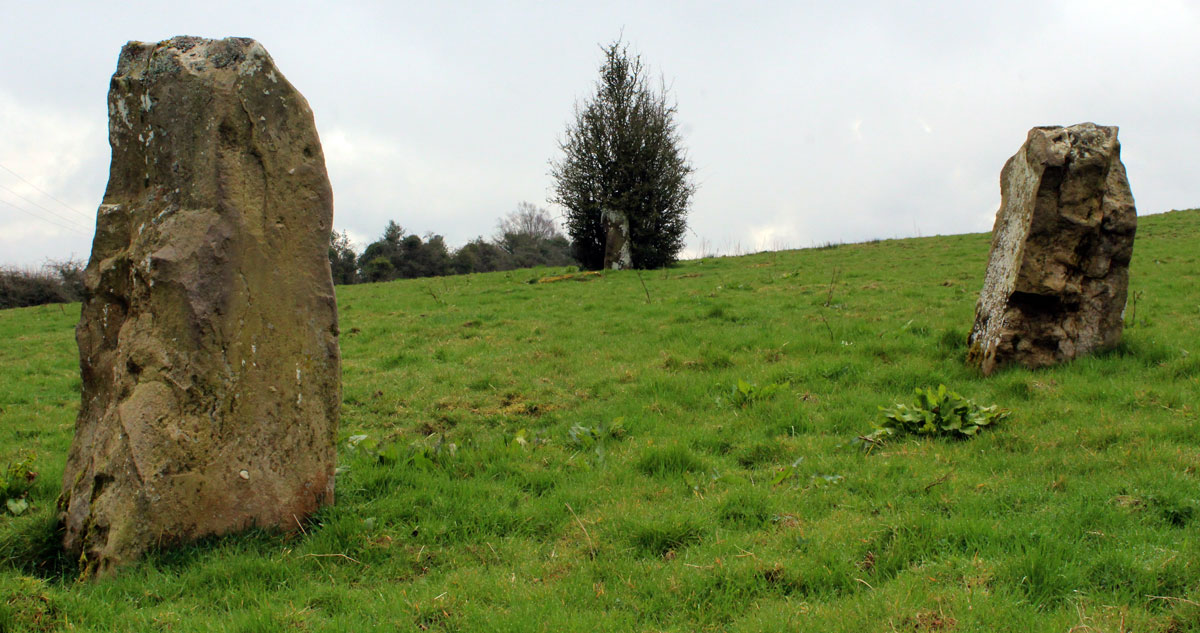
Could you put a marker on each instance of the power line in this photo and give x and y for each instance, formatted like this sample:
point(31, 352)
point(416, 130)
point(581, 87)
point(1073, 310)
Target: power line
point(53, 213)
point(43, 218)
point(47, 194)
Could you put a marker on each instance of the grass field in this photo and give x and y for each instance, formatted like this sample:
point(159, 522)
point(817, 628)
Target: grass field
point(579, 456)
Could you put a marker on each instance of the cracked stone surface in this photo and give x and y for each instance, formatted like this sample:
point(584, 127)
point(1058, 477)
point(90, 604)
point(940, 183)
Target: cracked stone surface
point(1058, 271)
point(208, 340)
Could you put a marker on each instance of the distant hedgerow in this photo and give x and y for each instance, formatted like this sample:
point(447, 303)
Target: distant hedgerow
point(56, 282)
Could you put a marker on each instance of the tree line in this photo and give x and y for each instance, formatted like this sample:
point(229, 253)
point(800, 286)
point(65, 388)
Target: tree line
point(524, 238)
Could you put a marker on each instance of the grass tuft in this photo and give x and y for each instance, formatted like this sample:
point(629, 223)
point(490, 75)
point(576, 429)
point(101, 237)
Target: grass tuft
point(669, 461)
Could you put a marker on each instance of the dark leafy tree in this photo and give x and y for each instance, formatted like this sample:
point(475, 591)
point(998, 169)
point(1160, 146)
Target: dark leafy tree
point(623, 152)
point(375, 262)
point(399, 256)
point(343, 261)
point(480, 256)
point(392, 233)
point(429, 258)
point(378, 268)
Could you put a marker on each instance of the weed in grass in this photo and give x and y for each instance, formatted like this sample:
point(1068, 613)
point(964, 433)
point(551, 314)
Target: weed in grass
point(786, 473)
point(745, 394)
point(15, 481)
point(936, 412)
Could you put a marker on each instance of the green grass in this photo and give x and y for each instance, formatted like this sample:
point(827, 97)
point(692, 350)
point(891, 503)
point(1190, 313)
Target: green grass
point(606, 475)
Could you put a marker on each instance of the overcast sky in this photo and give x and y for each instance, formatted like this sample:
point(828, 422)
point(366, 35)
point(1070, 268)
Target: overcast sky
point(807, 122)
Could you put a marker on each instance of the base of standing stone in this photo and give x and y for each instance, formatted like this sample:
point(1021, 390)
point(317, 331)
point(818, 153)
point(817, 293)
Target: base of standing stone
point(617, 253)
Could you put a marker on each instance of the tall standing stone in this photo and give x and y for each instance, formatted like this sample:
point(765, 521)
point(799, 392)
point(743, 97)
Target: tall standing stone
point(617, 252)
point(208, 341)
point(1059, 265)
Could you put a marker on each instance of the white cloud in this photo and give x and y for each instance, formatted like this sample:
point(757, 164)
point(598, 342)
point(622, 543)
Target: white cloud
point(52, 150)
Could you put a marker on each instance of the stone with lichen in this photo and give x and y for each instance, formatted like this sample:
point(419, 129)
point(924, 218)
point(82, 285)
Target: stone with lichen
point(208, 338)
point(1058, 270)
point(617, 252)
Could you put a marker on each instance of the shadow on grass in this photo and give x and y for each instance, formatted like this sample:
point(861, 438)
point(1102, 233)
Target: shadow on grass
point(32, 546)
point(177, 557)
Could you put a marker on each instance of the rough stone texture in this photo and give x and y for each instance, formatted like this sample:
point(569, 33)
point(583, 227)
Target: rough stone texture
point(1059, 265)
point(208, 340)
point(617, 253)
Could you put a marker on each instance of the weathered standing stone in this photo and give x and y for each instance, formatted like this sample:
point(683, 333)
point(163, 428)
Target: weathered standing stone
point(1059, 265)
point(208, 340)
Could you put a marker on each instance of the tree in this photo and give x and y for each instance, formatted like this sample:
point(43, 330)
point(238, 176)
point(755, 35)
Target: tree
point(480, 256)
point(378, 268)
point(392, 233)
point(525, 251)
point(623, 155)
point(342, 259)
point(531, 238)
point(396, 255)
point(528, 219)
point(430, 258)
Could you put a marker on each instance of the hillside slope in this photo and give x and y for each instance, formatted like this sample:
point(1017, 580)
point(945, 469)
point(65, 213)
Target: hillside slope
point(673, 451)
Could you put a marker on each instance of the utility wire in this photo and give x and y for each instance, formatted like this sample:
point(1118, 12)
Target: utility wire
point(43, 218)
point(60, 216)
point(44, 193)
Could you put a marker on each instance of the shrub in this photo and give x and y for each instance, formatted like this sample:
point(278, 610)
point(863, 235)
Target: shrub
point(56, 282)
point(15, 482)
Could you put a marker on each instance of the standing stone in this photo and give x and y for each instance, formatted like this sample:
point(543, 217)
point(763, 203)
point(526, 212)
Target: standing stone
point(1059, 265)
point(208, 341)
point(617, 253)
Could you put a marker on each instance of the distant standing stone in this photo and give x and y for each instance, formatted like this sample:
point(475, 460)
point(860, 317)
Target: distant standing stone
point(617, 252)
point(1059, 265)
point(208, 341)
